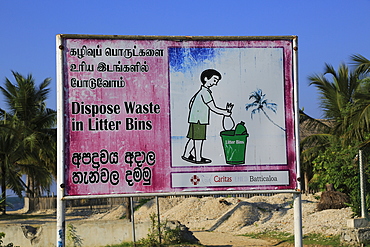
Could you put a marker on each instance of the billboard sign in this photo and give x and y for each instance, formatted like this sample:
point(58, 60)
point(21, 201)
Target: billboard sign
point(144, 114)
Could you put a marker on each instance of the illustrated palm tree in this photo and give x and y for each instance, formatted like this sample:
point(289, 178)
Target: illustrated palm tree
point(260, 103)
point(27, 106)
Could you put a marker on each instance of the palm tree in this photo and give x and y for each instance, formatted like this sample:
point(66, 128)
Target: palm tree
point(11, 151)
point(26, 103)
point(361, 111)
point(260, 103)
point(338, 99)
point(337, 91)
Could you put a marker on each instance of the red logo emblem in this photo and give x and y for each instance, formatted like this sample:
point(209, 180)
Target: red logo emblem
point(195, 180)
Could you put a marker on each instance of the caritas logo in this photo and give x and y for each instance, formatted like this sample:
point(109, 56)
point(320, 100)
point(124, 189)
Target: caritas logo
point(222, 179)
point(195, 180)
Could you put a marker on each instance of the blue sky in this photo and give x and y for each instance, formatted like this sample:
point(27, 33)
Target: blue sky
point(328, 31)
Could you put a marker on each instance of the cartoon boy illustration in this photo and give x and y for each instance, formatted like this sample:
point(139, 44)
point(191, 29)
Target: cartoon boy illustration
point(200, 106)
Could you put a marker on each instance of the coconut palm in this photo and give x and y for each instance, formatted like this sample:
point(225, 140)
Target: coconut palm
point(11, 151)
point(338, 92)
point(26, 104)
point(260, 104)
point(361, 112)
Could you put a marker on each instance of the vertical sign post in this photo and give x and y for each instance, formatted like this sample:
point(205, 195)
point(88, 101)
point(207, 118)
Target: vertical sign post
point(60, 147)
point(298, 234)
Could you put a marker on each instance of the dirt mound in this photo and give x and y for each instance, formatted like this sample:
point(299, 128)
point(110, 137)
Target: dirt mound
point(240, 215)
point(333, 200)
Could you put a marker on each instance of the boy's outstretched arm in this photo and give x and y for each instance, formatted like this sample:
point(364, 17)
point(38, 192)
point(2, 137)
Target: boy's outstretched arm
point(217, 109)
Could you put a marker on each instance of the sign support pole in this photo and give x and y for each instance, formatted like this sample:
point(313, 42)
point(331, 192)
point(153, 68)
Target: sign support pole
point(133, 220)
point(297, 220)
point(159, 220)
point(60, 219)
point(362, 186)
point(60, 239)
point(298, 235)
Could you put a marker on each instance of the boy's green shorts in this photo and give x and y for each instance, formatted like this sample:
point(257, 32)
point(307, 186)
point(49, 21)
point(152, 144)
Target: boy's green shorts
point(197, 131)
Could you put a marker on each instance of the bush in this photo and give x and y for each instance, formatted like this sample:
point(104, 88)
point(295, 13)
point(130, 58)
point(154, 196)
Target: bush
point(164, 236)
point(170, 233)
point(2, 235)
point(73, 237)
point(339, 166)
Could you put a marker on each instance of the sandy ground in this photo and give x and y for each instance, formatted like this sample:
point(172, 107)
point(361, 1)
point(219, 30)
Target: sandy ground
point(238, 215)
point(206, 238)
point(229, 240)
point(219, 221)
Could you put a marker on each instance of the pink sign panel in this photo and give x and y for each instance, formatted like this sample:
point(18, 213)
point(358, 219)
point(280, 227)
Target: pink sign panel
point(156, 115)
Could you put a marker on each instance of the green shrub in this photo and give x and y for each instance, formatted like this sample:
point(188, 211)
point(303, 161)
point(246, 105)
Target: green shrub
point(2, 235)
point(72, 236)
point(339, 166)
point(312, 239)
point(157, 238)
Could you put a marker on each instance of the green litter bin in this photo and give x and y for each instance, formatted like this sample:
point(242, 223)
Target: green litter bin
point(235, 144)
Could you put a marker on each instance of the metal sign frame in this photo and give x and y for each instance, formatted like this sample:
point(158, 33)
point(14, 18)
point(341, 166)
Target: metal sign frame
point(179, 172)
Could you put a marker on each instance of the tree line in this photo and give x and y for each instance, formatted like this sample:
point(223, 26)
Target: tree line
point(328, 151)
point(27, 138)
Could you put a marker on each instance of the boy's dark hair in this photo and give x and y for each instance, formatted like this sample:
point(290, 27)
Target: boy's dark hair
point(209, 73)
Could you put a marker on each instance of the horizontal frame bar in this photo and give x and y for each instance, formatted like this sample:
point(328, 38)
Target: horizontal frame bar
point(178, 38)
point(183, 193)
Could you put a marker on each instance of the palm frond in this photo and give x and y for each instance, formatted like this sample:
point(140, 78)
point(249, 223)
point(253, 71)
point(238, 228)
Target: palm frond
point(362, 64)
